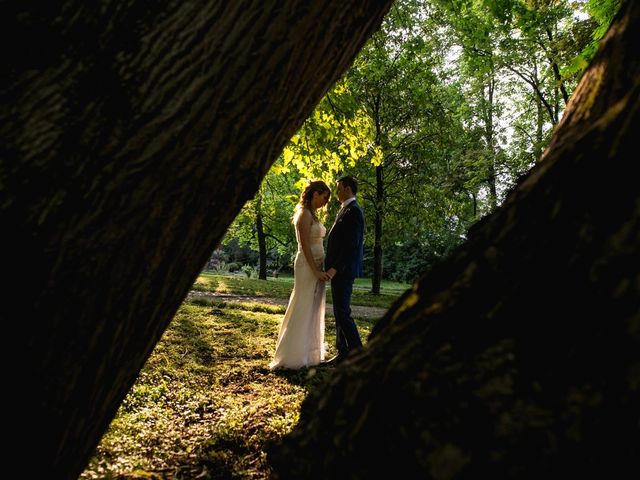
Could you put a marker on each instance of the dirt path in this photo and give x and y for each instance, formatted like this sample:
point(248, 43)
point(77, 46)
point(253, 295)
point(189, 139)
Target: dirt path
point(357, 311)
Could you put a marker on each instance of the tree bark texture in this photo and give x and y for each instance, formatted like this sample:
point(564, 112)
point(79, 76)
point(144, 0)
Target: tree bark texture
point(132, 134)
point(519, 355)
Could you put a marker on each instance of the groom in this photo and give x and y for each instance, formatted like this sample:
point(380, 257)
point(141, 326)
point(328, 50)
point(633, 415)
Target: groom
point(343, 263)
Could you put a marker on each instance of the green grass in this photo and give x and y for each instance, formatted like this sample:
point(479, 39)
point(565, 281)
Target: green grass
point(205, 404)
point(281, 288)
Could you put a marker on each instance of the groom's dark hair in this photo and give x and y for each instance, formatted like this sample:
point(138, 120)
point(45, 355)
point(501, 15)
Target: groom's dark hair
point(350, 182)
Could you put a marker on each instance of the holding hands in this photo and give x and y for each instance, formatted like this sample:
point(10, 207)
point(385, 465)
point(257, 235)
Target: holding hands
point(322, 276)
point(326, 276)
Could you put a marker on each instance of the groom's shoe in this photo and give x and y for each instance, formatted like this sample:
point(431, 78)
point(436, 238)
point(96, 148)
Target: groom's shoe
point(337, 360)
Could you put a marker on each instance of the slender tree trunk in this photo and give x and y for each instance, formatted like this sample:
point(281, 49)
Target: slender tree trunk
point(377, 239)
point(474, 199)
point(262, 240)
point(519, 355)
point(556, 71)
point(132, 134)
point(491, 181)
point(537, 147)
point(489, 138)
point(378, 204)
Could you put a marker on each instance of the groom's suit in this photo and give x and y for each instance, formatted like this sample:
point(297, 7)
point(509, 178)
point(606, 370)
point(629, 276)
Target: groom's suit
point(344, 253)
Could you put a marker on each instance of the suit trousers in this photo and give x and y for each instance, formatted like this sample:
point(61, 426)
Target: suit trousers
point(347, 335)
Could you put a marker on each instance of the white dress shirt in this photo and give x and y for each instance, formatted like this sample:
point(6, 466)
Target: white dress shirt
point(348, 201)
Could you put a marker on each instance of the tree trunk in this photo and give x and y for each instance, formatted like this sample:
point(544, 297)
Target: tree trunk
point(519, 355)
point(537, 146)
point(262, 240)
point(488, 130)
point(557, 76)
point(377, 235)
point(132, 134)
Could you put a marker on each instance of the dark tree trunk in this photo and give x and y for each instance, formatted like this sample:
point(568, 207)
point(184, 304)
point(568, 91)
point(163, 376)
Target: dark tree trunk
point(132, 134)
point(262, 240)
point(557, 76)
point(489, 129)
point(537, 146)
point(519, 355)
point(377, 233)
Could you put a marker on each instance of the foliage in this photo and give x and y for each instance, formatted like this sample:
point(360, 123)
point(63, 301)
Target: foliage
point(405, 262)
point(249, 270)
point(275, 202)
point(518, 61)
point(336, 135)
point(444, 109)
point(601, 13)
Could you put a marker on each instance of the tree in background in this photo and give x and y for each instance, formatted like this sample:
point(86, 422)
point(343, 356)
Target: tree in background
point(519, 61)
point(264, 223)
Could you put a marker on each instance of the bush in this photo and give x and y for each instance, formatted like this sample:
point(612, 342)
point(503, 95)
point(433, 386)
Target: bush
point(250, 270)
point(233, 266)
point(404, 263)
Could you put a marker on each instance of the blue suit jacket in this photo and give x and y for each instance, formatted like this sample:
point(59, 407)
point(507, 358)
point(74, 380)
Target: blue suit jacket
point(345, 242)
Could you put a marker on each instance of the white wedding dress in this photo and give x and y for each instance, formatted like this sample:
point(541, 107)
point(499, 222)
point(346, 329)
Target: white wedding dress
point(301, 337)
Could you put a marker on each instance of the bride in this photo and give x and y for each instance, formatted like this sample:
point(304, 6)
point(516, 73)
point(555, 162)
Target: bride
point(301, 337)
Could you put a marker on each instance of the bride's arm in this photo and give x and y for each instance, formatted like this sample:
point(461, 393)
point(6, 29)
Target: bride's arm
point(305, 220)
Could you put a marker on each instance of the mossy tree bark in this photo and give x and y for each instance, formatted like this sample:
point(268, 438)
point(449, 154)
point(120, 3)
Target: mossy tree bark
point(132, 134)
point(519, 355)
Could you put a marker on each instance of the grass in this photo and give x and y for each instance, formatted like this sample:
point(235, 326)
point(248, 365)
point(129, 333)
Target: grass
point(281, 288)
point(205, 405)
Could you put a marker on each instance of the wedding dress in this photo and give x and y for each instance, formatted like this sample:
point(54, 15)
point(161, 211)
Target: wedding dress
point(301, 337)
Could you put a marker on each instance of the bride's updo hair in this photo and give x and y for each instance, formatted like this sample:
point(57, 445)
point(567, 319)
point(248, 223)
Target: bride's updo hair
point(307, 195)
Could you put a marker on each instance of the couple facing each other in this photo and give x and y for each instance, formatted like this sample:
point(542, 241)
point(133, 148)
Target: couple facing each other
point(301, 336)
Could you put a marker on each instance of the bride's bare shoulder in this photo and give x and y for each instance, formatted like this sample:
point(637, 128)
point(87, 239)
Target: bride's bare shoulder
point(303, 216)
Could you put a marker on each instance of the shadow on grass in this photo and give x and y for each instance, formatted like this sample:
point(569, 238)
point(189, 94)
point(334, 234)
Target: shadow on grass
point(241, 452)
point(309, 378)
point(206, 405)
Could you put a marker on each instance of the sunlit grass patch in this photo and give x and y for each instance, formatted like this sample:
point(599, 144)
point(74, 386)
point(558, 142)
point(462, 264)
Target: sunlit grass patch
point(249, 306)
point(281, 288)
point(205, 402)
point(235, 284)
